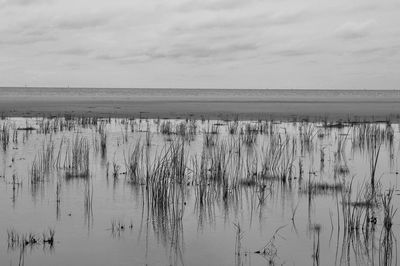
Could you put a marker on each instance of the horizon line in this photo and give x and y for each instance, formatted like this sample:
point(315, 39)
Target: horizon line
point(187, 88)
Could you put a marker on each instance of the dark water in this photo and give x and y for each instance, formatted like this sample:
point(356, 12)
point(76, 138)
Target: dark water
point(217, 94)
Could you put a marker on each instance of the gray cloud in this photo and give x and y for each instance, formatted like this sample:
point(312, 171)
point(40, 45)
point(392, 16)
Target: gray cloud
point(22, 2)
point(182, 52)
point(198, 52)
point(296, 52)
point(355, 30)
point(85, 21)
point(237, 21)
point(75, 51)
point(26, 39)
point(380, 51)
point(191, 6)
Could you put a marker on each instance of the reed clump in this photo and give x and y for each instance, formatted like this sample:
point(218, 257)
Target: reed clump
point(357, 213)
point(388, 209)
point(77, 158)
point(103, 139)
point(278, 159)
point(43, 162)
point(21, 240)
point(387, 240)
point(118, 227)
point(133, 163)
point(166, 128)
point(5, 130)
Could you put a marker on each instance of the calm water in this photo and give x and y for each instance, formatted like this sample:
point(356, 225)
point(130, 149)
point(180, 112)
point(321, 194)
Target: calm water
point(215, 94)
point(281, 219)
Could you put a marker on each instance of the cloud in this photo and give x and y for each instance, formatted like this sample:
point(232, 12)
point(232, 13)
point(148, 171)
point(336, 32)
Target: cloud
point(382, 51)
point(186, 52)
point(240, 20)
point(296, 52)
point(26, 32)
point(355, 30)
point(198, 52)
point(75, 51)
point(216, 5)
point(26, 39)
point(22, 2)
point(83, 21)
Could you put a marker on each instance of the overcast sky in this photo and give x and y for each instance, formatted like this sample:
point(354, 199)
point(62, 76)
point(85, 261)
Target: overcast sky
point(342, 44)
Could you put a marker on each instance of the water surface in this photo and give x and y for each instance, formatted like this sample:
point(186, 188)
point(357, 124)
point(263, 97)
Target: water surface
point(281, 220)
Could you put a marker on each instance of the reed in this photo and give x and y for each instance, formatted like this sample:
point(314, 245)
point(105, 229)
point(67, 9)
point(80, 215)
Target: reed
point(77, 158)
point(118, 226)
point(5, 134)
point(133, 163)
point(278, 160)
point(103, 140)
point(148, 136)
point(356, 212)
point(388, 209)
point(22, 240)
point(88, 201)
point(387, 239)
point(238, 240)
point(43, 162)
point(307, 134)
point(166, 127)
point(270, 250)
point(233, 127)
point(116, 169)
point(373, 164)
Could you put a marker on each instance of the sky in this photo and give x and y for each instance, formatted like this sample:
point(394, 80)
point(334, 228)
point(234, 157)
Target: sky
point(276, 44)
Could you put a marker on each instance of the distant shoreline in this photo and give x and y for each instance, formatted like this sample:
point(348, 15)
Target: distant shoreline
point(186, 88)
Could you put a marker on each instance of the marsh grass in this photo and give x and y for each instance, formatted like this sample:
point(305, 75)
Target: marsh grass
point(232, 168)
point(133, 163)
point(116, 169)
point(238, 243)
point(249, 134)
point(388, 242)
point(388, 209)
point(270, 250)
point(233, 127)
point(166, 127)
point(210, 139)
point(148, 136)
point(373, 164)
point(5, 134)
point(118, 227)
point(358, 214)
point(43, 162)
point(278, 159)
point(307, 134)
point(77, 158)
point(22, 240)
point(103, 140)
point(88, 202)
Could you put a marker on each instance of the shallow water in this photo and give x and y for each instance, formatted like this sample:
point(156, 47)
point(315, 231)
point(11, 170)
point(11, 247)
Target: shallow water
point(280, 221)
